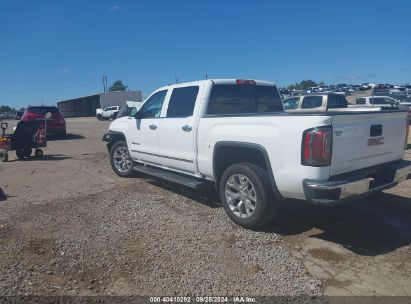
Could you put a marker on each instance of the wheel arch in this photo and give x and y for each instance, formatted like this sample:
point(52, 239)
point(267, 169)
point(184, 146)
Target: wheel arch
point(259, 156)
point(112, 137)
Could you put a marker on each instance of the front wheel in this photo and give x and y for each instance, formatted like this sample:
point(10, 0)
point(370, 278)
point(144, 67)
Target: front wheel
point(247, 196)
point(120, 159)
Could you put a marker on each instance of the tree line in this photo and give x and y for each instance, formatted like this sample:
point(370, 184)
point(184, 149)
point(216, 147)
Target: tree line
point(303, 85)
point(7, 109)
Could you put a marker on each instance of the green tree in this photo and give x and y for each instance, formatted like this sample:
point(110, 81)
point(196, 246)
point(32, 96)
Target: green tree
point(117, 86)
point(302, 85)
point(7, 109)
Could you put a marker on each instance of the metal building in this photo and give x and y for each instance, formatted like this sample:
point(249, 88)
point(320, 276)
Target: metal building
point(87, 105)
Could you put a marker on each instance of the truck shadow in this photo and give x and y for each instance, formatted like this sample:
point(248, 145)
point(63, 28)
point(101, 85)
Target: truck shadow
point(45, 157)
point(55, 137)
point(369, 227)
point(207, 196)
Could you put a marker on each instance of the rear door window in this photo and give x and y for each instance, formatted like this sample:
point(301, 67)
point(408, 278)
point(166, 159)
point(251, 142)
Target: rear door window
point(182, 102)
point(243, 99)
point(312, 102)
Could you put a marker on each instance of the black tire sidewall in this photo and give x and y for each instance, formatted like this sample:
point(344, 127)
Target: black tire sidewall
point(128, 173)
point(264, 211)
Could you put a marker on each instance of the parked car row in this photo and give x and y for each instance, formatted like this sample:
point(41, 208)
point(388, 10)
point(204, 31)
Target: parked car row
point(396, 91)
point(7, 115)
point(335, 102)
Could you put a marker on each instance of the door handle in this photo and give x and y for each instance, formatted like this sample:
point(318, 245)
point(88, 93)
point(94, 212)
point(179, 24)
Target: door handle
point(152, 127)
point(187, 128)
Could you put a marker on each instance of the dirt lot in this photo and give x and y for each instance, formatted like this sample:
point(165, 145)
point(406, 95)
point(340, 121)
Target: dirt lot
point(70, 226)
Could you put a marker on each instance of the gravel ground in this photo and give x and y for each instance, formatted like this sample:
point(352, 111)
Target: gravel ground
point(139, 242)
point(70, 226)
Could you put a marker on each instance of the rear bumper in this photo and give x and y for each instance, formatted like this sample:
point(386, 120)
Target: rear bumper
point(364, 182)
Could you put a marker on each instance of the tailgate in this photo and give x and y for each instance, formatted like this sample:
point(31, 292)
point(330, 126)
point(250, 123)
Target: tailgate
point(363, 140)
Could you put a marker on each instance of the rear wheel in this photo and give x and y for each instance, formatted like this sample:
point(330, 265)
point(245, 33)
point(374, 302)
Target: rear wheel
point(247, 196)
point(120, 159)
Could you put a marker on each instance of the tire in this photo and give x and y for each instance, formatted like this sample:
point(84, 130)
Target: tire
point(4, 156)
point(116, 158)
point(27, 152)
point(38, 153)
point(258, 189)
point(20, 154)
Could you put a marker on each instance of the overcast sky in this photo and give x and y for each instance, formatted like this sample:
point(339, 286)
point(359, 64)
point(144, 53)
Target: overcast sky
point(54, 50)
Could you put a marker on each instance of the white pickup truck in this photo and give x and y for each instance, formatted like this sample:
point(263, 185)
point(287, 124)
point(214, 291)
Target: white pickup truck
point(235, 134)
point(107, 113)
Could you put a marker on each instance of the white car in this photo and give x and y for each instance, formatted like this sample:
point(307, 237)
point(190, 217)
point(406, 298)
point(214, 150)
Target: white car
point(236, 135)
point(110, 112)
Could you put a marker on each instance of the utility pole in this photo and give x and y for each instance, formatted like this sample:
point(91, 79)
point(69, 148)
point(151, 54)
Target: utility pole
point(104, 83)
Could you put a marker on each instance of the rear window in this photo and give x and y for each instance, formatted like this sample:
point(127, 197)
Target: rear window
point(291, 104)
point(42, 110)
point(311, 102)
point(336, 102)
point(360, 101)
point(240, 99)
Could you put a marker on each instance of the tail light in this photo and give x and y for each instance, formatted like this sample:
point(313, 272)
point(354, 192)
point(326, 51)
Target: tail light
point(407, 130)
point(245, 82)
point(317, 147)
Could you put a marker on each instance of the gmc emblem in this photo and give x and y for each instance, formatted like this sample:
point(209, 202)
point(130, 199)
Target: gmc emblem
point(376, 141)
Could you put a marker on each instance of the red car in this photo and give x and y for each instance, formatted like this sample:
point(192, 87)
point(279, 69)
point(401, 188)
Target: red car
point(56, 124)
